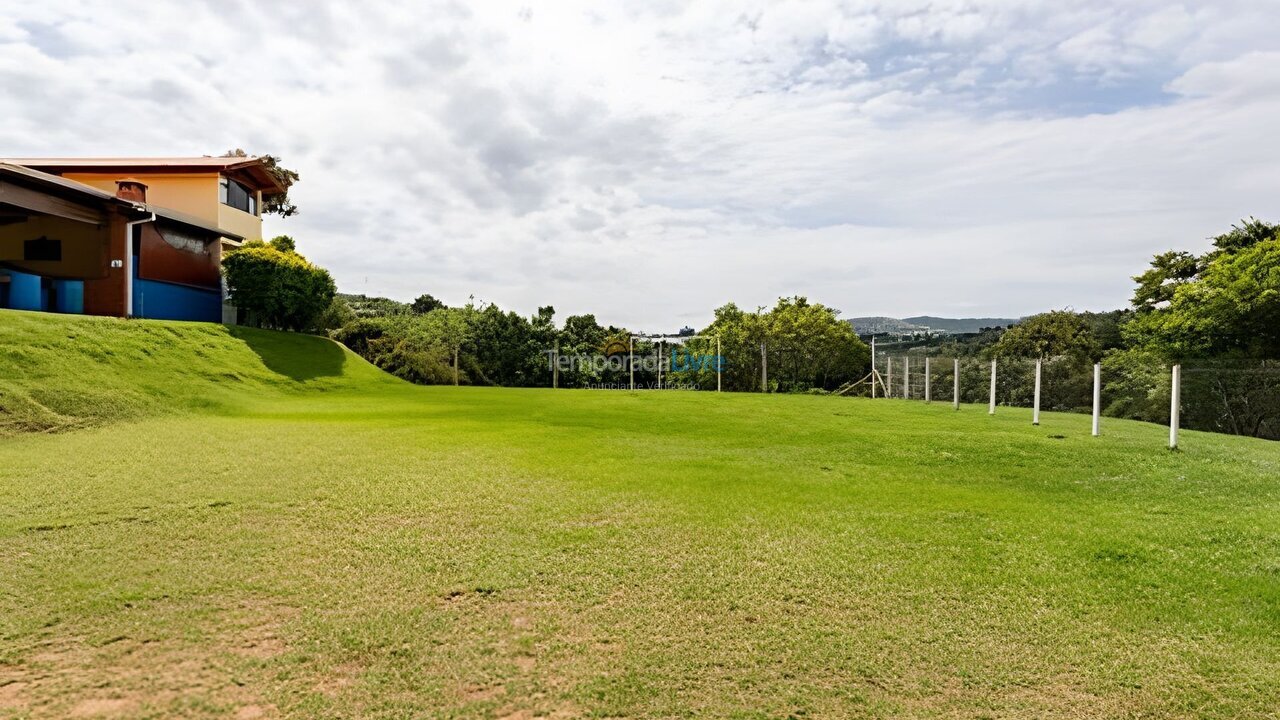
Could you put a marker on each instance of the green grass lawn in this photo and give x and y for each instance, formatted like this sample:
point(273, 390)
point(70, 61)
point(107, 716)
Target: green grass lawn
point(200, 522)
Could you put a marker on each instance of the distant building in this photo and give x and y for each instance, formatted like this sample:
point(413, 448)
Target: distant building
point(126, 237)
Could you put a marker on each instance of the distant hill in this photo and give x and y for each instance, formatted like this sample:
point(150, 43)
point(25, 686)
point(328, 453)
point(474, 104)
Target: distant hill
point(882, 325)
point(886, 325)
point(959, 325)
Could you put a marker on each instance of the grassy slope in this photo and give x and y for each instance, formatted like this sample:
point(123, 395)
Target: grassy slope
point(382, 550)
point(61, 372)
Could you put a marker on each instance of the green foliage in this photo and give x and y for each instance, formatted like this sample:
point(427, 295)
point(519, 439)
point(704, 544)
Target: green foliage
point(366, 306)
point(1107, 328)
point(809, 347)
point(450, 329)
point(278, 289)
point(283, 243)
point(1231, 308)
point(425, 304)
point(806, 345)
point(338, 314)
point(1168, 271)
point(582, 335)
point(424, 349)
point(1245, 235)
point(505, 348)
point(1051, 334)
point(1137, 385)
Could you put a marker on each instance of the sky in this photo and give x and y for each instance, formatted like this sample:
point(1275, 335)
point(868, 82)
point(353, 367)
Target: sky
point(648, 162)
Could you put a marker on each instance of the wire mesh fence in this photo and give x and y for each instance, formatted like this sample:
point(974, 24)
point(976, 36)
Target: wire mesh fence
point(1240, 397)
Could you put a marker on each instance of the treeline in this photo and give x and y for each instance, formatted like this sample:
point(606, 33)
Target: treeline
point(803, 345)
point(1216, 314)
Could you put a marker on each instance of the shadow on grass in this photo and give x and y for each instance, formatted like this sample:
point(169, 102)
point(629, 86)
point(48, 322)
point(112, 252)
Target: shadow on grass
point(294, 355)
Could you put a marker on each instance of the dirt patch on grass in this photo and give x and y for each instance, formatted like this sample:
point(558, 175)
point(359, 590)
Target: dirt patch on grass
point(218, 672)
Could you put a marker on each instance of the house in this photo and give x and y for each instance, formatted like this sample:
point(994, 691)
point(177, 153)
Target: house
point(126, 237)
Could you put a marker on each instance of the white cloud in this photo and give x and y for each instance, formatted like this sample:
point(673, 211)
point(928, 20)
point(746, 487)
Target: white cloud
point(649, 162)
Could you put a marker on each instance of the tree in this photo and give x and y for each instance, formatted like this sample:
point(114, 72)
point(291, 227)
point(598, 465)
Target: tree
point(1219, 312)
point(452, 328)
point(1173, 269)
point(1245, 235)
point(1231, 308)
point(1168, 271)
point(278, 204)
point(503, 347)
point(276, 288)
point(365, 306)
point(1052, 334)
point(806, 346)
point(425, 304)
point(337, 315)
point(283, 243)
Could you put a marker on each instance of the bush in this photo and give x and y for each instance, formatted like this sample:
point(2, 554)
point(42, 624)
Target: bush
point(277, 288)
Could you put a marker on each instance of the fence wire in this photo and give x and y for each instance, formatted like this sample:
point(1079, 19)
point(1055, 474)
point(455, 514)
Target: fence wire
point(1240, 397)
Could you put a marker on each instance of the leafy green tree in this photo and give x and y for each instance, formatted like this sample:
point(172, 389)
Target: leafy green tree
point(424, 304)
point(453, 329)
point(365, 306)
point(1219, 313)
point(1168, 271)
point(1051, 334)
point(805, 345)
point(1244, 236)
point(283, 243)
point(337, 315)
point(1231, 308)
point(1171, 270)
point(277, 289)
point(504, 349)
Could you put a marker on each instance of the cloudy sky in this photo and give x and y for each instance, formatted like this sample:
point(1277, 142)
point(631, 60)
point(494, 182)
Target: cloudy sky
point(650, 161)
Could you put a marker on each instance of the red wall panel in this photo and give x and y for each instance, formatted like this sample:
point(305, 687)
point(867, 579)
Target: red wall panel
point(171, 255)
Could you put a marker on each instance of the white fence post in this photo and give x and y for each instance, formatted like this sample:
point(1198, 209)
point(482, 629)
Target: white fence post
point(874, 370)
point(1097, 397)
point(927, 399)
point(1035, 413)
point(955, 390)
point(992, 410)
point(906, 378)
point(631, 360)
point(719, 364)
point(659, 364)
point(1175, 407)
point(764, 367)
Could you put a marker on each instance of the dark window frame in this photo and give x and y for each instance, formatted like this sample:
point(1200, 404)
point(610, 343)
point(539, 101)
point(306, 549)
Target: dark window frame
point(237, 195)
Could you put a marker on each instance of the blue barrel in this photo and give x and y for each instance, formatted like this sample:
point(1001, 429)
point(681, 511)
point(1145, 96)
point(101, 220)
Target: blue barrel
point(70, 294)
point(24, 291)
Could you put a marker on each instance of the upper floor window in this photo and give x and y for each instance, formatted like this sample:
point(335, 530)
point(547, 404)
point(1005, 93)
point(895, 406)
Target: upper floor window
point(237, 196)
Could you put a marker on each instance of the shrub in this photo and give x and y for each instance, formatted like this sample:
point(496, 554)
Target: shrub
point(277, 288)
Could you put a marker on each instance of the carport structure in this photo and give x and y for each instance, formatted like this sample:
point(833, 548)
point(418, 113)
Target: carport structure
point(68, 247)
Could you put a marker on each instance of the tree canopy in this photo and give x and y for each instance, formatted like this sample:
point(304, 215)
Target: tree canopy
point(1231, 307)
point(1052, 334)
